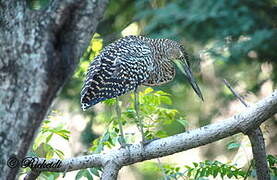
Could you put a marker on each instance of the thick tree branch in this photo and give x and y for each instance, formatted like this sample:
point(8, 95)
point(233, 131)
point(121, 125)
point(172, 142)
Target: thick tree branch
point(110, 171)
point(257, 143)
point(259, 153)
point(250, 118)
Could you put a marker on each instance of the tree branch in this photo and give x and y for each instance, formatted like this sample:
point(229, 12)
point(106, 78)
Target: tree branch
point(259, 153)
point(235, 93)
point(110, 171)
point(257, 143)
point(32, 175)
point(249, 119)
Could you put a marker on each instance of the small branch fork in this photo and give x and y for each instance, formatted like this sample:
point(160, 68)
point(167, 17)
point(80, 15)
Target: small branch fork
point(111, 162)
point(257, 143)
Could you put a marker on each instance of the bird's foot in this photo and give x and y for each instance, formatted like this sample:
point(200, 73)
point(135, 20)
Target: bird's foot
point(123, 146)
point(148, 141)
point(123, 143)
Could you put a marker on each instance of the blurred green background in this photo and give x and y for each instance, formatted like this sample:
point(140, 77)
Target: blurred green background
point(227, 39)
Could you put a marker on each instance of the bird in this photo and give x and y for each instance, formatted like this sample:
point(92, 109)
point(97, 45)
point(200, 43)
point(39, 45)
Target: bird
point(130, 62)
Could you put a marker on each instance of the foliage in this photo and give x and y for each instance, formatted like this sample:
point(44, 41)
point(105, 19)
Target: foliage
point(240, 26)
point(118, 16)
point(42, 147)
point(205, 170)
point(214, 169)
point(155, 112)
point(152, 112)
point(272, 161)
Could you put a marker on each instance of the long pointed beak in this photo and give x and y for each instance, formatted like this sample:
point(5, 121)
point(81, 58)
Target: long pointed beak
point(191, 79)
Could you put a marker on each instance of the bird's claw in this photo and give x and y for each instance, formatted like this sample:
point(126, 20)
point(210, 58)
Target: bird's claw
point(146, 142)
point(123, 146)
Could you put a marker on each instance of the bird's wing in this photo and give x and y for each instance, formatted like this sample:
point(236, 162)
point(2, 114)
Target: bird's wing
point(119, 68)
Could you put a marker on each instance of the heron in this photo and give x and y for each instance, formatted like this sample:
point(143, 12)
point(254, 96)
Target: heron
point(129, 62)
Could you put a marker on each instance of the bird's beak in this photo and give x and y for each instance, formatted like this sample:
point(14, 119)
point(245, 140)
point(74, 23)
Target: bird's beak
point(191, 79)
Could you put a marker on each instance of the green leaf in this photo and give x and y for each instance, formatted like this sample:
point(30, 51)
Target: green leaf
point(195, 164)
point(121, 140)
point(187, 167)
point(189, 172)
point(166, 100)
point(63, 133)
point(110, 102)
point(130, 113)
point(95, 171)
point(59, 153)
point(106, 136)
point(183, 122)
point(222, 171)
point(215, 171)
point(161, 134)
point(197, 173)
point(49, 154)
point(83, 173)
point(203, 172)
point(148, 90)
point(162, 93)
point(229, 173)
point(48, 138)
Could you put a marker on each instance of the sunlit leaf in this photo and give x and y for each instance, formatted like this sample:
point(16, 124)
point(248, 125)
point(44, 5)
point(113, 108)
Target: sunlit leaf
point(59, 153)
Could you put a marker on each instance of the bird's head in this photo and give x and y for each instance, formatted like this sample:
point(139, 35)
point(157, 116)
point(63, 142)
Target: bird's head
point(176, 51)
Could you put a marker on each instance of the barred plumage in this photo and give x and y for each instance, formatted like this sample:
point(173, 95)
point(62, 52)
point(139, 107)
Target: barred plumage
point(129, 62)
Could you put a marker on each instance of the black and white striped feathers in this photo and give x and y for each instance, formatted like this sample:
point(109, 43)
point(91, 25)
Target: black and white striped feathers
point(127, 63)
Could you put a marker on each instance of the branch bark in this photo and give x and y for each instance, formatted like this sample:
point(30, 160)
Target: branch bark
point(250, 118)
point(259, 153)
point(39, 51)
point(32, 175)
point(110, 170)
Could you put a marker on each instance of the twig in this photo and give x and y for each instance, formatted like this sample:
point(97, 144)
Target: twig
point(162, 169)
point(248, 170)
point(122, 140)
point(234, 93)
point(257, 143)
point(65, 171)
point(32, 175)
point(136, 101)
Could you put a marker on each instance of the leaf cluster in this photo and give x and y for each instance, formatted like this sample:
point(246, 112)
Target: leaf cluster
point(43, 148)
point(240, 26)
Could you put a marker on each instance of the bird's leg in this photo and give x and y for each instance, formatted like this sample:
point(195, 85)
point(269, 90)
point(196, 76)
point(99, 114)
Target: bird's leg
point(137, 115)
point(144, 141)
point(118, 112)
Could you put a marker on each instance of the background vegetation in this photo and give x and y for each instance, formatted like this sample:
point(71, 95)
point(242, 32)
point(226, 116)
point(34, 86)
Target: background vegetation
point(235, 40)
